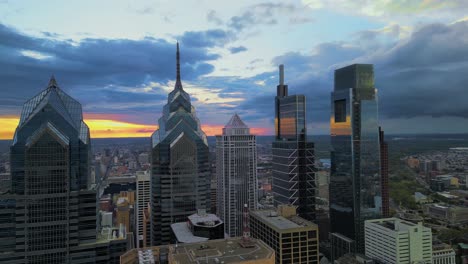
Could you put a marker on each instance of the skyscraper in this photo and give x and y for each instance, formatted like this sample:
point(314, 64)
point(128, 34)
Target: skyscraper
point(143, 199)
point(355, 193)
point(180, 170)
point(49, 214)
point(293, 156)
point(236, 172)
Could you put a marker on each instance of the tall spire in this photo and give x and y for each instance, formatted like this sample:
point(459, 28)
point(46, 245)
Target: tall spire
point(52, 82)
point(178, 81)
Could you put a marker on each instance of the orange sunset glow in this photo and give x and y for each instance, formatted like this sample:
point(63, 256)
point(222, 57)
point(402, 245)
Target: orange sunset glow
point(111, 128)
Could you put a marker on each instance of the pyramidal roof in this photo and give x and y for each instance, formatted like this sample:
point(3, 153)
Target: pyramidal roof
point(236, 122)
point(68, 107)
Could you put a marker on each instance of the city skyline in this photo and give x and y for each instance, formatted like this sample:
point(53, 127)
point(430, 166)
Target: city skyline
point(121, 71)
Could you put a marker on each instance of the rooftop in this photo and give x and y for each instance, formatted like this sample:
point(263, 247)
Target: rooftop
point(212, 251)
point(184, 235)
point(277, 221)
point(204, 219)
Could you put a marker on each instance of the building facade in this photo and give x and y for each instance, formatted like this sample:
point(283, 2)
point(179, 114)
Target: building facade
point(180, 169)
point(49, 215)
point(294, 239)
point(293, 155)
point(355, 181)
point(236, 172)
point(384, 174)
point(443, 254)
point(394, 241)
point(143, 199)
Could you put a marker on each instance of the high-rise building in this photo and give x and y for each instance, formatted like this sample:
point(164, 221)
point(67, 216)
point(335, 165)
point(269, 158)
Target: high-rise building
point(293, 156)
point(143, 199)
point(355, 182)
point(49, 215)
point(180, 169)
point(294, 239)
point(384, 174)
point(395, 241)
point(236, 171)
point(123, 213)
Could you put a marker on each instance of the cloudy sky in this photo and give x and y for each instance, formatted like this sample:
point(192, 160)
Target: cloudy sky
point(118, 59)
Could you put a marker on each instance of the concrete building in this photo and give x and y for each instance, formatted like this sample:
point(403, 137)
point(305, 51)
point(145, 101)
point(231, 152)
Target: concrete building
point(106, 219)
point(294, 239)
point(198, 228)
point(236, 173)
point(228, 251)
point(293, 164)
point(443, 254)
point(123, 213)
point(143, 199)
point(451, 214)
point(394, 241)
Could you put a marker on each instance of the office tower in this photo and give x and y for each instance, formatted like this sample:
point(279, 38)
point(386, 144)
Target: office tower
point(395, 241)
point(355, 192)
point(293, 238)
point(384, 174)
point(143, 198)
point(236, 172)
point(227, 251)
point(180, 170)
point(293, 156)
point(49, 215)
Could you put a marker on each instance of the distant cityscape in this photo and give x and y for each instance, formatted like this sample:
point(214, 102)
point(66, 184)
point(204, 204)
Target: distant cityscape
point(357, 195)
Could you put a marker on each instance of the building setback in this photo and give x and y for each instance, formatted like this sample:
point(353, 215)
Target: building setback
point(355, 181)
point(293, 155)
point(294, 239)
point(180, 170)
point(236, 172)
point(394, 241)
point(49, 213)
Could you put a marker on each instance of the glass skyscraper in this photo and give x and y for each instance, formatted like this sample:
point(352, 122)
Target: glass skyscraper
point(293, 155)
point(49, 213)
point(355, 192)
point(236, 172)
point(180, 179)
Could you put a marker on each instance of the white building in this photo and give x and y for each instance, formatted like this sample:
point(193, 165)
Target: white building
point(395, 241)
point(443, 254)
point(236, 172)
point(143, 198)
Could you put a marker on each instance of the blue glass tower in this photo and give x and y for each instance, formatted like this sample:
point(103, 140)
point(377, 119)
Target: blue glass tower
point(180, 179)
point(355, 180)
point(49, 213)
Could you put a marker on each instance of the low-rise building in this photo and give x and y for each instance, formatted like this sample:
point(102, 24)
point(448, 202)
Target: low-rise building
point(453, 215)
point(443, 254)
point(354, 259)
point(294, 239)
point(227, 251)
point(395, 241)
point(198, 228)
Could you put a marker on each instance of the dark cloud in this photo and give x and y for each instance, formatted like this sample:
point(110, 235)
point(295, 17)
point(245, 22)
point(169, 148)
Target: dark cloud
point(208, 38)
point(268, 14)
point(89, 68)
point(423, 76)
point(235, 50)
point(213, 17)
